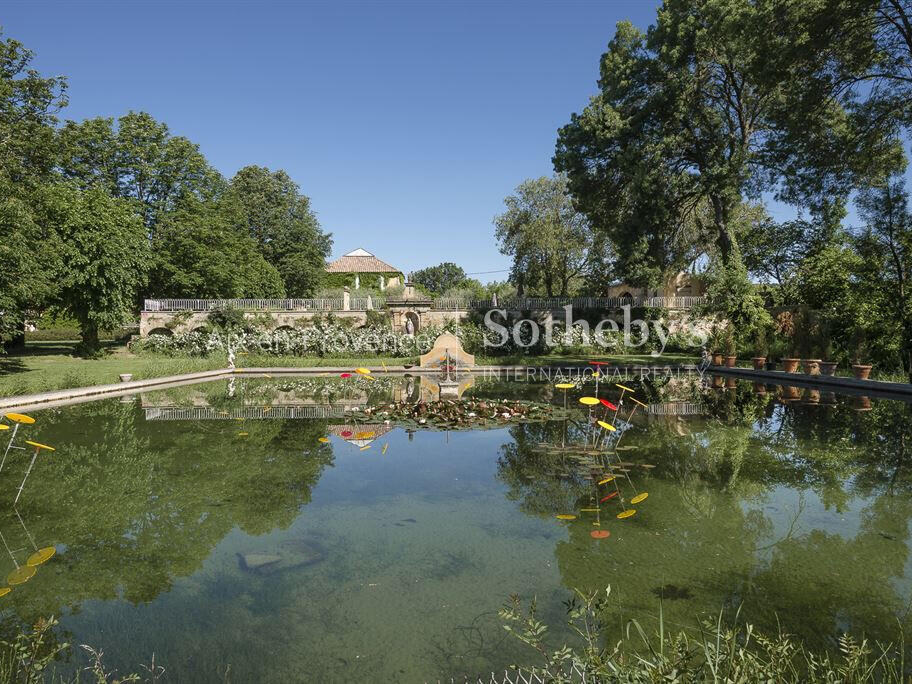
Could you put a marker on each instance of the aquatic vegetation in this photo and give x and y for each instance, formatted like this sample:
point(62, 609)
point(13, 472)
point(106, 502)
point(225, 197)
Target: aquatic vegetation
point(464, 413)
point(719, 651)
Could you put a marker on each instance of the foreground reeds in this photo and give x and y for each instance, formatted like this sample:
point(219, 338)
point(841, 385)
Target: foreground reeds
point(717, 652)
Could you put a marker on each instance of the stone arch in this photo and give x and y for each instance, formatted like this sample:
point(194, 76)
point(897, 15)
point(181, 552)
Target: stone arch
point(627, 297)
point(165, 332)
point(415, 319)
point(202, 329)
point(283, 329)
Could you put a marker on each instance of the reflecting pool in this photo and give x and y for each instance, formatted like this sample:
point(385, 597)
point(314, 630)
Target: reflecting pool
point(299, 529)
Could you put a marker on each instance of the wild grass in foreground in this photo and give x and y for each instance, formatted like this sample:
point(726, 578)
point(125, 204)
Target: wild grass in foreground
point(715, 653)
point(31, 657)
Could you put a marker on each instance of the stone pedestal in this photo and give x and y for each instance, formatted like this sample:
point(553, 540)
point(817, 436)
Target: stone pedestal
point(447, 343)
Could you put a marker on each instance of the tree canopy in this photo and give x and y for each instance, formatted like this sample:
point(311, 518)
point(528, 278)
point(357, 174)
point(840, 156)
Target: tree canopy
point(97, 214)
point(547, 238)
point(440, 278)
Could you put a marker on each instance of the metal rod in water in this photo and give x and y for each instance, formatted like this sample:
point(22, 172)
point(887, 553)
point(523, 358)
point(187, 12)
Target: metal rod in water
point(10, 445)
point(32, 463)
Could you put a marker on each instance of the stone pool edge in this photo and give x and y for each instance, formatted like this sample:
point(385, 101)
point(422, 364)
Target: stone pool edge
point(93, 392)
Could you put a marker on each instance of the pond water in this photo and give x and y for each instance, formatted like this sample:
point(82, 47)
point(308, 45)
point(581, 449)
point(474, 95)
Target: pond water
point(211, 526)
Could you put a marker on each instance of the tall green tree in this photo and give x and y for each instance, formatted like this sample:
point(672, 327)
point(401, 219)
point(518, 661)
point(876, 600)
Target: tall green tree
point(138, 159)
point(548, 239)
point(199, 254)
point(104, 257)
point(29, 103)
point(268, 206)
point(885, 245)
point(684, 129)
point(441, 277)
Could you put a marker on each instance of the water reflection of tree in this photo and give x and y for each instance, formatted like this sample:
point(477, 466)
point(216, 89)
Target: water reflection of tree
point(704, 539)
point(137, 504)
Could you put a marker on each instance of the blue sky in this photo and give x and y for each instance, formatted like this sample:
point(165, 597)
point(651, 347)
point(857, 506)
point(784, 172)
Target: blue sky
point(405, 123)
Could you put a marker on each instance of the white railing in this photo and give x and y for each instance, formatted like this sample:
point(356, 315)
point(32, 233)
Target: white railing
point(252, 412)
point(173, 305)
point(579, 303)
point(367, 303)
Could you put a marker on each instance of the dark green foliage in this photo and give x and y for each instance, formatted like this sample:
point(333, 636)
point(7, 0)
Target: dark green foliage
point(269, 207)
point(437, 279)
point(198, 255)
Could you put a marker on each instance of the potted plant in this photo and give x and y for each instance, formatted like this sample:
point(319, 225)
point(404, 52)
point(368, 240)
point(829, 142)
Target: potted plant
point(760, 349)
point(714, 342)
point(861, 369)
point(730, 357)
point(785, 326)
point(804, 339)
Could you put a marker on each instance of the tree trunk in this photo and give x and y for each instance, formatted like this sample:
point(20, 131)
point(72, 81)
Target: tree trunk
point(725, 240)
point(89, 332)
point(17, 341)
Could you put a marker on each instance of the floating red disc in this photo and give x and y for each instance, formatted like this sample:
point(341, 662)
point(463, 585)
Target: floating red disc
point(608, 404)
point(608, 496)
point(600, 534)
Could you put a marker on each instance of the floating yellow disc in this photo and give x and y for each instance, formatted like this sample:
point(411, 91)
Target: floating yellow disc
point(565, 385)
point(20, 418)
point(365, 435)
point(4, 426)
point(626, 514)
point(365, 447)
point(637, 401)
point(41, 556)
point(323, 439)
point(588, 401)
point(607, 426)
point(4, 591)
point(385, 447)
point(21, 575)
point(606, 480)
point(363, 371)
point(38, 445)
point(565, 516)
point(243, 434)
point(639, 497)
point(623, 387)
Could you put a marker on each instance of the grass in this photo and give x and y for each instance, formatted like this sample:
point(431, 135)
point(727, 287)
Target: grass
point(721, 650)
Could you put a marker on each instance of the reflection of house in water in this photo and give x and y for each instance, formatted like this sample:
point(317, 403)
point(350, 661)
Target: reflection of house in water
point(360, 434)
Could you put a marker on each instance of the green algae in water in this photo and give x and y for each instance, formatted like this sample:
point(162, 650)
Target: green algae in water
point(391, 567)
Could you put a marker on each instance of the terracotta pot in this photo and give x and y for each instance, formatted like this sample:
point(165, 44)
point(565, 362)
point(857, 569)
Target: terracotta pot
point(861, 403)
point(730, 361)
point(731, 383)
point(828, 399)
point(828, 367)
point(811, 366)
point(790, 365)
point(717, 359)
point(790, 393)
point(717, 381)
point(862, 371)
point(759, 362)
point(812, 396)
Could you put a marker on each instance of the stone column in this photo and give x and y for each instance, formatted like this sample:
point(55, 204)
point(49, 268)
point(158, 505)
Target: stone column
point(346, 299)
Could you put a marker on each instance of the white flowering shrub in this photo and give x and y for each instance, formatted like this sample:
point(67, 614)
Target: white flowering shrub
point(323, 340)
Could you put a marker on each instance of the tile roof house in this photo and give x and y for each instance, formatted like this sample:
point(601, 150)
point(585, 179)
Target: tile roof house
point(361, 267)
